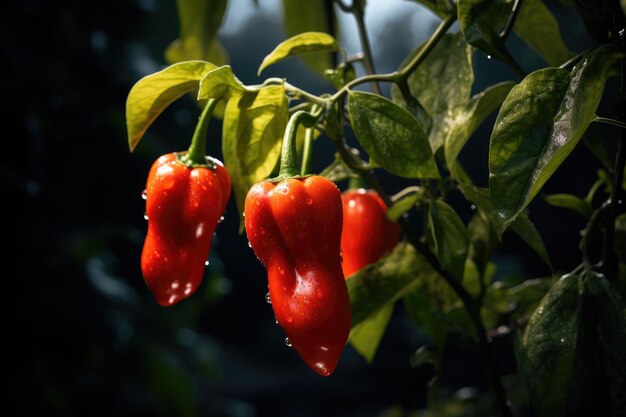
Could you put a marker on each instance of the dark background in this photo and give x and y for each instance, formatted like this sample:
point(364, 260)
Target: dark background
point(84, 335)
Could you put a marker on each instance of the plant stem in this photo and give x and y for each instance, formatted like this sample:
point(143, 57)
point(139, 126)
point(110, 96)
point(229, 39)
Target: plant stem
point(610, 121)
point(616, 202)
point(407, 69)
point(368, 62)
point(511, 22)
point(196, 153)
point(511, 62)
point(289, 155)
point(307, 153)
point(471, 305)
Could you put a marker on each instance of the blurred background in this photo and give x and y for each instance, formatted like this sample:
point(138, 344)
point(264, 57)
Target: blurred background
point(84, 335)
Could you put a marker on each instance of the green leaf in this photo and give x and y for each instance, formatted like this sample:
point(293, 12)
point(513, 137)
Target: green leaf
point(220, 82)
point(471, 117)
point(482, 21)
point(442, 84)
point(252, 133)
point(522, 225)
point(302, 43)
point(199, 23)
point(483, 239)
point(536, 25)
point(539, 124)
point(311, 16)
point(153, 93)
point(391, 136)
point(403, 205)
point(386, 281)
point(572, 355)
point(569, 201)
point(366, 336)
point(525, 229)
point(450, 237)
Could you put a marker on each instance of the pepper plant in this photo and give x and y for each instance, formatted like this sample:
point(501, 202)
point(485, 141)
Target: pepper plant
point(569, 330)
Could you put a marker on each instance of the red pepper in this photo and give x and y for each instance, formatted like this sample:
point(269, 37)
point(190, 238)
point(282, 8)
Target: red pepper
point(367, 233)
point(294, 227)
point(186, 194)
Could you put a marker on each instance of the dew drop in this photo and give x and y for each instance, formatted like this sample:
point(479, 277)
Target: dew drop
point(144, 195)
point(206, 263)
point(309, 201)
point(221, 219)
point(473, 207)
point(268, 299)
point(488, 56)
point(145, 216)
point(276, 320)
point(287, 341)
point(249, 244)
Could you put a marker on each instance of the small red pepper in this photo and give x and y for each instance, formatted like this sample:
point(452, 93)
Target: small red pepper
point(294, 227)
point(186, 194)
point(367, 233)
point(183, 206)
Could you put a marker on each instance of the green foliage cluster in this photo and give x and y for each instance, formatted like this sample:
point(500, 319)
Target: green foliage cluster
point(569, 335)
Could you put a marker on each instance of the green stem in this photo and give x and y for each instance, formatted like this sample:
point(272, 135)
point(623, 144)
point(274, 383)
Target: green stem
point(307, 153)
point(368, 62)
point(403, 73)
point(511, 22)
point(609, 121)
point(196, 153)
point(511, 62)
point(289, 155)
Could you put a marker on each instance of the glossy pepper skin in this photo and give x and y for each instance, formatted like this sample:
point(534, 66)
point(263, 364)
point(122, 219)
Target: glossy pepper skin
point(367, 233)
point(294, 227)
point(183, 206)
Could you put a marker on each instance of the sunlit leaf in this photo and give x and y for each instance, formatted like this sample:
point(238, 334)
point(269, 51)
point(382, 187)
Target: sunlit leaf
point(302, 43)
point(403, 205)
point(311, 16)
point(570, 202)
point(254, 123)
point(219, 83)
point(366, 336)
point(539, 124)
point(153, 93)
point(441, 8)
point(391, 135)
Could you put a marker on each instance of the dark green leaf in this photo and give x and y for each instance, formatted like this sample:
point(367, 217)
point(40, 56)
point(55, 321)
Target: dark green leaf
point(365, 337)
point(469, 118)
point(303, 43)
point(442, 84)
point(569, 201)
point(403, 205)
point(482, 21)
point(387, 280)
point(536, 25)
point(483, 239)
point(573, 352)
point(525, 229)
point(311, 16)
point(153, 93)
point(450, 237)
point(601, 145)
point(199, 23)
point(539, 124)
point(522, 225)
point(337, 170)
point(391, 136)
point(252, 133)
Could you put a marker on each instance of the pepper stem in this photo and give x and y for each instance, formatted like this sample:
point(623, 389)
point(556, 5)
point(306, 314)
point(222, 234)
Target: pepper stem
point(289, 155)
point(195, 155)
point(357, 182)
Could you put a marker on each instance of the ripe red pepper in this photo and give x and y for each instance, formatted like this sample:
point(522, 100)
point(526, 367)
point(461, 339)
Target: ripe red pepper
point(367, 233)
point(294, 227)
point(183, 206)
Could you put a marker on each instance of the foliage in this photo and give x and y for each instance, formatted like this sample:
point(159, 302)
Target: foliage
point(568, 331)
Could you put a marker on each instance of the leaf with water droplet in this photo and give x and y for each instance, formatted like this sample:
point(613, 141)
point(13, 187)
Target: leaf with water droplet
point(572, 355)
